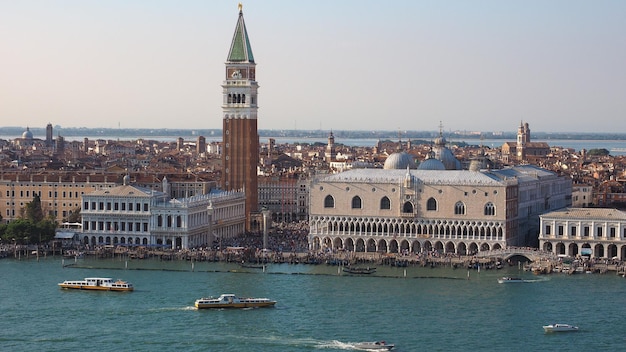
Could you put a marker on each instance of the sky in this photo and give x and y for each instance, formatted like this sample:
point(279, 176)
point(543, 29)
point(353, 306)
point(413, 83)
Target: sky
point(321, 64)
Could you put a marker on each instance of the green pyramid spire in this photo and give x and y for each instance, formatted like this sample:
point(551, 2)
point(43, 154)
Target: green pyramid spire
point(240, 50)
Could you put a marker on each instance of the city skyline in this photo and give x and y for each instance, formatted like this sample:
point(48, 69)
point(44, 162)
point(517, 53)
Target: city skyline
point(362, 65)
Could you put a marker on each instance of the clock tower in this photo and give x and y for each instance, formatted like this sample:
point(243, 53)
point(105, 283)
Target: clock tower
point(240, 150)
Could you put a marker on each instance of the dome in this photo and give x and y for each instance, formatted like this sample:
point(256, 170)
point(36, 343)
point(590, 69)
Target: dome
point(27, 134)
point(447, 158)
point(399, 160)
point(431, 164)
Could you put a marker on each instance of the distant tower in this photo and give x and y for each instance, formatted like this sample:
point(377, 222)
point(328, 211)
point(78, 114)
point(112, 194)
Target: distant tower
point(60, 145)
point(240, 155)
point(180, 143)
point(330, 154)
point(201, 145)
point(49, 135)
point(523, 138)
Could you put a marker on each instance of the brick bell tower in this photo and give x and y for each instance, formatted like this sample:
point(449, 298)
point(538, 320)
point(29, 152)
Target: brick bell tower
point(240, 152)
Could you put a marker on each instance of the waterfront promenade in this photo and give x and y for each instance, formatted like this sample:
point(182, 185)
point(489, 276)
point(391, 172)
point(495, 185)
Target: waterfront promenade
point(250, 256)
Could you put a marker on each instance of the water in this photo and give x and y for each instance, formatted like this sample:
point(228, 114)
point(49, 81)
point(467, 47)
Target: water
point(616, 147)
point(318, 309)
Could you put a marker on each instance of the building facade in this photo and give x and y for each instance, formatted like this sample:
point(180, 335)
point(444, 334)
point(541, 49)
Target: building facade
point(240, 154)
point(131, 215)
point(596, 232)
point(61, 192)
point(451, 211)
point(286, 197)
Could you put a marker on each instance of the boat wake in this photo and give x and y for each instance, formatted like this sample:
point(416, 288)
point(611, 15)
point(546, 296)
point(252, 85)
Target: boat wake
point(172, 309)
point(337, 345)
point(543, 279)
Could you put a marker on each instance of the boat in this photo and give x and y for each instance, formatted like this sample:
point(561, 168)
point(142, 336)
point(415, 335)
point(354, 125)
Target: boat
point(251, 265)
point(376, 345)
point(508, 279)
point(559, 328)
point(359, 270)
point(98, 284)
point(229, 300)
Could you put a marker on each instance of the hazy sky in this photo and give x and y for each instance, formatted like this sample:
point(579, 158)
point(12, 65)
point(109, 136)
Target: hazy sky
point(321, 64)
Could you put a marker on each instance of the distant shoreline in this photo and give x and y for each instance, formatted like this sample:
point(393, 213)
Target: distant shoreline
point(12, 132)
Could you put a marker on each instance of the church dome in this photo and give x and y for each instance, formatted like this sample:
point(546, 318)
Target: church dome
point(399, 160)
point(431, 164)
point(447, 158)
point(27, 134)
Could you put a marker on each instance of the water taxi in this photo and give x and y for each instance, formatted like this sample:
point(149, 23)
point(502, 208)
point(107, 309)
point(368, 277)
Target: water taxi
point(559, 328)
point(508, 279)
point(229, 300)
point(98, 284)
point(373, 346)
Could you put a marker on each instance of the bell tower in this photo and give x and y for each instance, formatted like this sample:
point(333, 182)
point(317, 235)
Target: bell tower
point(240, 152)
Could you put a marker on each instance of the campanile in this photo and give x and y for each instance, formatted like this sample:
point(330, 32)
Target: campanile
point(240, 150)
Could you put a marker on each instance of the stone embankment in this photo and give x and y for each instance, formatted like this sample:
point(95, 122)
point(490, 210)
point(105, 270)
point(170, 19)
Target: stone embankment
point(251, 256)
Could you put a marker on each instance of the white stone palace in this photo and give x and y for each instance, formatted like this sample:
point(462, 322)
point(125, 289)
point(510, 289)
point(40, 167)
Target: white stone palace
point(451, 211)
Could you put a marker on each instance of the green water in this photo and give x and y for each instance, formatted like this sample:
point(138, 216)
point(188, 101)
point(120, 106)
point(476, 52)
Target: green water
point(319, 308)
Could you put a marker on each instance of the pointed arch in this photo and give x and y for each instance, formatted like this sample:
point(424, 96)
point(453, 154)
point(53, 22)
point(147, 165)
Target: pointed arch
point(329, 202)
point(459, 208)
point(431, 204)
point(490, 209)
point(357, 203)
point(385, 203)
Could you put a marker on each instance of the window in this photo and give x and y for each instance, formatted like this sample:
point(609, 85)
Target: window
point(385, 203)
point(612, 232)
point(459, 208)
point(586, 231)
point(548, 229)
point(407, 207)
point(572, 231)
point(356, 202)
point(431, 204)
point(560, 231)
point(490, 209)
point(329, 202)
point(599, 232)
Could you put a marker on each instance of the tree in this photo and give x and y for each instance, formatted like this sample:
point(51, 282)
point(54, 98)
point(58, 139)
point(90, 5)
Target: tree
point(34, 212)
point(46, 230)
point(74, 216)
point(22, 230)
point(598, 152)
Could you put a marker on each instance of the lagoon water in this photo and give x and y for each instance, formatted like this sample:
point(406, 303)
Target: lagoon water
point(319, 308)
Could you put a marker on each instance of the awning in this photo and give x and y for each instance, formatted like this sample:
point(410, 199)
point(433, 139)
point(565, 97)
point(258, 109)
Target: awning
point(65, 235)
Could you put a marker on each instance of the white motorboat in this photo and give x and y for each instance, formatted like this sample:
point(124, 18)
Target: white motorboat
point(229, 300)
point(373, 346)
point(508, 279)
point(559, 328)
